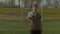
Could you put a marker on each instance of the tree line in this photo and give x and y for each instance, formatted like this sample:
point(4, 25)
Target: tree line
point(28, 3)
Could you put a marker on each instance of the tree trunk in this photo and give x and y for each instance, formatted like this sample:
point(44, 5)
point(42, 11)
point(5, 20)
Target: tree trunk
point(19, 3)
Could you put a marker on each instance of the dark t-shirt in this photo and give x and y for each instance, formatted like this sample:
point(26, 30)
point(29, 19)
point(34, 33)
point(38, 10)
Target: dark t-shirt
point(35, 20)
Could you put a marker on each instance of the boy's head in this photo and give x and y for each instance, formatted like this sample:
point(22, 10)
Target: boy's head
point(34, 7)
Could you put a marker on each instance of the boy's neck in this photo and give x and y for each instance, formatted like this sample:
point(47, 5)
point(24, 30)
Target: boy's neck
point(34, 11)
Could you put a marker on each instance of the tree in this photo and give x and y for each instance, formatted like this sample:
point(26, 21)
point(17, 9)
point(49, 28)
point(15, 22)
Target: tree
point(28, 3)
point(48, 3)
point(56, 4)
point(11, 3)
point(19, 3)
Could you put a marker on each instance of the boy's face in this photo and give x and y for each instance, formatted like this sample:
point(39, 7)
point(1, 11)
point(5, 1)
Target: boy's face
point(34, 8)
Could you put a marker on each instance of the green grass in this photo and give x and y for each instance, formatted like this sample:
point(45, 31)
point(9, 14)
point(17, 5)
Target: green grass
point(13, 27)
point(10, 21)
point(51, 27)
point(51, 23)
point(17, 27)
point(51, 13)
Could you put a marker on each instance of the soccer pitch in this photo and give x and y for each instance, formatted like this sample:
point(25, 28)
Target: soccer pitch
point(10, 24)
point(51, 27)
point(51, 23)
point(15, 27)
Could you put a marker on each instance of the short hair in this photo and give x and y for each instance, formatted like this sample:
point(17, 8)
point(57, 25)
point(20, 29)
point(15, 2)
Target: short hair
point(34, 4)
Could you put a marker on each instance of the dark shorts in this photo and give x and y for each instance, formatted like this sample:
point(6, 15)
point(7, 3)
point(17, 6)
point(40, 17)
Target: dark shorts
point(36, 31)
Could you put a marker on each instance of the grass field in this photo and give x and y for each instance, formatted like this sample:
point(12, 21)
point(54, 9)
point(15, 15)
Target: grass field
point(51, 27)
point(10, 22)
point(13, 27)
point(51, 23)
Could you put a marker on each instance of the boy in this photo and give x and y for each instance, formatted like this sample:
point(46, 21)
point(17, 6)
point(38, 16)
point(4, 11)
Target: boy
point(35, 20)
